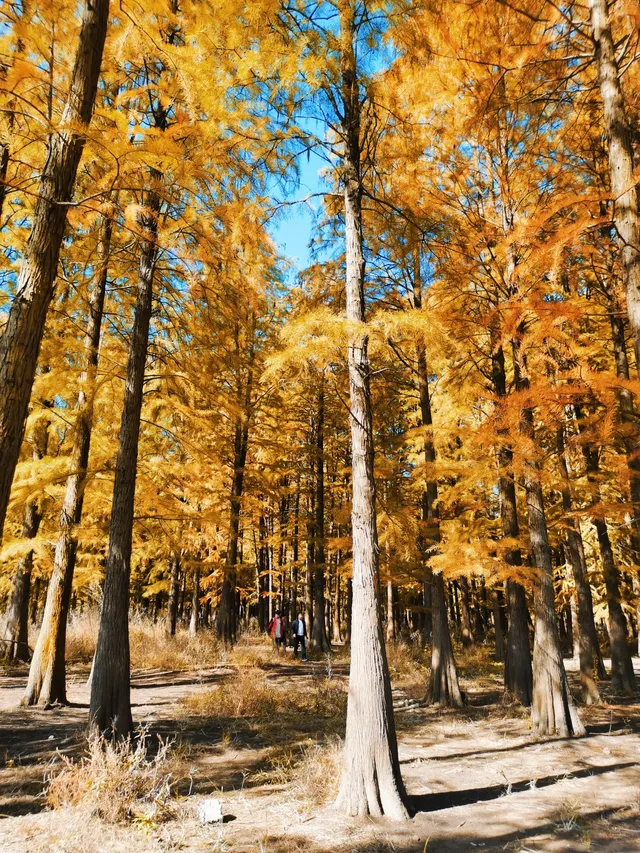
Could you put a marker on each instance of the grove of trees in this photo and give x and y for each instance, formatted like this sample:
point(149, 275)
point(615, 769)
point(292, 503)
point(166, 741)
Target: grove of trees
point(429, 432)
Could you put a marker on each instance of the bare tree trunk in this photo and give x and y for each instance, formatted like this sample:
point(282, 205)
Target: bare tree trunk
point(444, 688)
point(518, 676)
point(195, 602)
point(622, 675)
point(110, 705)
point(584, 627)
point(15, 639)
point(226, 624)
point(498, 622)
point(47, 677)
point(174, 591)
point(22, 333)
point(467, 633)
point(621, 166)
point(553, 711)
point(319, 632)
point(371, 782)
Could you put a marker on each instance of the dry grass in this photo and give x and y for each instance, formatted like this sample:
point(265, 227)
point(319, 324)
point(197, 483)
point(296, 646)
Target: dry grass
point(117, 782)
point(151, 646)
point(251, 695)
point(408, 667)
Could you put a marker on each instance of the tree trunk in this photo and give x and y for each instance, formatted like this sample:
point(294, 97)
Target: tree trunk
point(443, 685)
point(15, 640)
point(467, 633)
point(226, 624)
point(553, 711)
point(110, 705)
point(22, 333)
point(371, 782)
point(319, 636)
point(622, 675)
point(444, 689)
point(174, 592)
point(195, 602)
point(585, 628)
point(518, 676)
point(498, 622)
point(621, 166)
point(47, 677)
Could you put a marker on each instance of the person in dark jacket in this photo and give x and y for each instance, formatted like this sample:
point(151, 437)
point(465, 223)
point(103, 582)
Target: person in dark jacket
point(299, 630)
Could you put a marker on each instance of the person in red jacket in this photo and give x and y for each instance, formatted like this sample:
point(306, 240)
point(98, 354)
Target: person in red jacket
point(276, 631)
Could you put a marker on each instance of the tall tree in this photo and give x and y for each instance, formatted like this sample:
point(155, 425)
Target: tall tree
point(47, 681)
point(371, 781)
point(22, 334)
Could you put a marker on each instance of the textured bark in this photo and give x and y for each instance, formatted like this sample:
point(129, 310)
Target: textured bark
point(553, 711)
point(391, 622)
point(621, 165)
point(47, 677)
point(518, 676)
point(110, 705)
point(371, 782)
point(584, 627)
point(195, 602)
point(14, 644)
point(174, 591)
point(22, 333)
point(499, 623)
point(622, 675)
point(319, 636)
point(226, 624)
point(443, 685)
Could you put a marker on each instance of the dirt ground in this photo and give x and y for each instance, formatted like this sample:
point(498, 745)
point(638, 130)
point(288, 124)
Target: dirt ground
point(476, 778)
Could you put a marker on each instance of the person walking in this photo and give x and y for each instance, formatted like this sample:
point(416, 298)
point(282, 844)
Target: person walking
point(277, 631)
point(299, 629)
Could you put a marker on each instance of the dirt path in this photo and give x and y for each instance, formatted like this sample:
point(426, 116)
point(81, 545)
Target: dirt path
point(477, 780)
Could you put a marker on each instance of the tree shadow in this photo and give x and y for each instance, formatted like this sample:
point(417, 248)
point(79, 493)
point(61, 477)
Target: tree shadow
point(452, 799)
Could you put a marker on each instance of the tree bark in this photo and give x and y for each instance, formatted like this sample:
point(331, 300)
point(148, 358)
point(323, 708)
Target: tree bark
point(226, 624)
point(174, 591)
point(518, 676)
point(444, 689)
point(15, 639)
point(319, 636)
point(22, 334)
point(467, 633)
point(110, 706)
point(621, 165)
point(622, 675)
point(195, 602)
point(47, 677)
point(585, 628)
point(553, 711)
point(371, 782)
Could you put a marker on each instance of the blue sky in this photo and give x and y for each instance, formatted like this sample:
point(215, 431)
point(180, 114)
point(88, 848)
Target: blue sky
point(293, 227)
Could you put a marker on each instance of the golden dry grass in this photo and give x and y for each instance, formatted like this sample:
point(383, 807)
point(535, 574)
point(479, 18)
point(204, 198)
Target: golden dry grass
point(151, 646)
point(117, 782)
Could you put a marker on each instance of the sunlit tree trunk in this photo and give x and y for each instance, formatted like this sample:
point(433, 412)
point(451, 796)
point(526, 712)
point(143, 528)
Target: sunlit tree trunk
point(585, 628)
point(47, 677)
point(621, 165)
point(195, 602)
point(14, 644)
point(110, 706)
point(22, 333)
point(553, 711)
point(371, 782)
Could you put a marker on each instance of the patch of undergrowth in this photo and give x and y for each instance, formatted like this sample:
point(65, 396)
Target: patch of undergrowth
point(119, 782)
point(311, 770)
point(151, 646)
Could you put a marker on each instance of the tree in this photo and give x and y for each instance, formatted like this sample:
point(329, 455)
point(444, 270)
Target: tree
point(371, 781)
point(22, 334)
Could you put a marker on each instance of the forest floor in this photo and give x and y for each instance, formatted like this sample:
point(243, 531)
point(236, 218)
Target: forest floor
point(251, 735)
